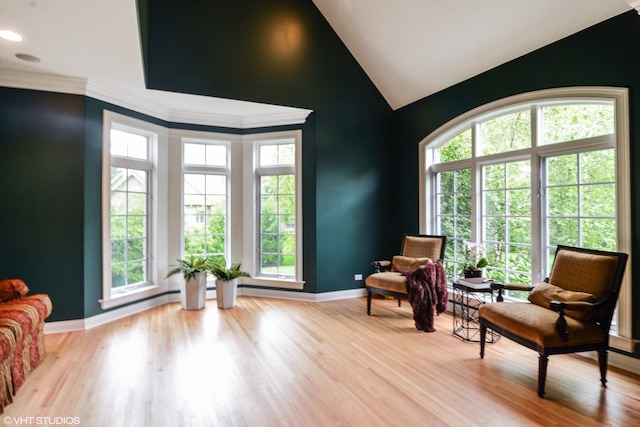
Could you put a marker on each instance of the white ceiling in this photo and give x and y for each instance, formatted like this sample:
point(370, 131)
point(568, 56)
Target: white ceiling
point(409, 48)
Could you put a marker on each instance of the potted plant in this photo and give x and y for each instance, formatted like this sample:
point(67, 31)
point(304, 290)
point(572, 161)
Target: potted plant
point(226, 282)
point(193, 291)
point(475, 260)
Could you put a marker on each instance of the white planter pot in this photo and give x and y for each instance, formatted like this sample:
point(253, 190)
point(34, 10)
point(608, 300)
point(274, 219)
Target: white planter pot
point(226, 293)
point(194, 292)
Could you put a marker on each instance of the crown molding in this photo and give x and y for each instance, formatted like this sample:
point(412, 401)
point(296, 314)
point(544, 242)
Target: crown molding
point(121, 99)
point(81, 86)
point(635, 4)
point(43, 82)
point(296, 117)
point(293, 117)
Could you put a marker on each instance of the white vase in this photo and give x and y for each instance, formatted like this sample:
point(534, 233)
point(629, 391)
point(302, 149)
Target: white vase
point(193, 294)
point(226, 293)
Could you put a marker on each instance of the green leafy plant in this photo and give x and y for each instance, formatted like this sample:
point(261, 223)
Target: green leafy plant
point(220, 270)
point(189, 267)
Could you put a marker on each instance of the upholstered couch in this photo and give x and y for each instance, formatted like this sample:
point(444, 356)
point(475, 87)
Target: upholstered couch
point(21, 335)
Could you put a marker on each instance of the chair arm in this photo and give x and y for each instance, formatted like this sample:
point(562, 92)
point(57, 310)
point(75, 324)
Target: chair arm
point(381, 265)
point(499, 286)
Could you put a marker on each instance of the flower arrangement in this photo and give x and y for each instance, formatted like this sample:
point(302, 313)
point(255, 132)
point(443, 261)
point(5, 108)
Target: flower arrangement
point(474, 258)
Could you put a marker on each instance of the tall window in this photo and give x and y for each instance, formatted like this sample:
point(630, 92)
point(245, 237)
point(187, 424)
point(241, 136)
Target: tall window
point(133, 205)
point(130, 168)
point(205, 172)
point(276, 180)
point(525, 174)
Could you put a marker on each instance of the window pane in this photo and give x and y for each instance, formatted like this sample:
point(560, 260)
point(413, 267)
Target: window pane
point(599, 234)
point(506, 133)
point(205, 215)
point(204, 154)
point(216, 155)
point(194, 154)
point(277, 154)
point(598, 200)
point(562, 170)
point(129, 226)
point(563, 201)
point(598, 166)
point(570, 122)
point(127, 144)
point(563, 231)
point(277, 225)
point(457, 148)
point(581, 205)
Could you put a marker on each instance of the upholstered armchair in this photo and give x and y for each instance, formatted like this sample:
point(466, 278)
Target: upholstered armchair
point(571, 311)
point(416, 250)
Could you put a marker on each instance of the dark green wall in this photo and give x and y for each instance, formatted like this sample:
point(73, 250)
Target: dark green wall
point(603, 55)
point(41, 194)
point(284, 52)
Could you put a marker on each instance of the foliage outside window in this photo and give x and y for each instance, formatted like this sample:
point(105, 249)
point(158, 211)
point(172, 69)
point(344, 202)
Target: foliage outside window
point(520, 190)
point(205, 201)
point(129, 208)
point(277, 208)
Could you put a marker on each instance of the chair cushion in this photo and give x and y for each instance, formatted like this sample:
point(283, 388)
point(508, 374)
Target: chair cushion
point(404, 263)
point(543, 293)
point(537, 324)
point(388, 280)
point(584, 272)
point(422, 246)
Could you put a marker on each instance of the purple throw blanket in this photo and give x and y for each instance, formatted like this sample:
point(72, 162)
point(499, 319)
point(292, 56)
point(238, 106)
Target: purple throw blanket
point(427, 292)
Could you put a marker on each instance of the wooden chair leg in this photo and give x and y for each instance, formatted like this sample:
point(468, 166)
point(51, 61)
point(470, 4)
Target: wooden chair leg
point(483, 334)
point(399, 302)
point(368, 302)
point(542, 373)
point(602, 361)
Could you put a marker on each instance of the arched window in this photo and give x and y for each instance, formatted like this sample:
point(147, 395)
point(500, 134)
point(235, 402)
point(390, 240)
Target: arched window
point(521, 175)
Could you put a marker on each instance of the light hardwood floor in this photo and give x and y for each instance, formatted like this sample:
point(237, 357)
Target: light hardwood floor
point(270, 362)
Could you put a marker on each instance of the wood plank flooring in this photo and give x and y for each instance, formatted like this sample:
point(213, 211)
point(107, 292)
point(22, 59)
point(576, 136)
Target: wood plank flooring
point(270, 362)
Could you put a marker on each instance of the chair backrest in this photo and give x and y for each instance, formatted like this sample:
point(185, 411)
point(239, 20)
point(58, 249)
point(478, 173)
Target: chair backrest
point(423, 246)
point(596, 272)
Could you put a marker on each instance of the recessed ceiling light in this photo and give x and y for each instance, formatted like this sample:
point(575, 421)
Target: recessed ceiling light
point(10, 35)
point(27, 57)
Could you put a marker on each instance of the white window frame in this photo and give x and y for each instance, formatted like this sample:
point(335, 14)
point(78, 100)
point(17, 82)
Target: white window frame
point(242, 203)
point(251, 215)
point(208, 170)
point(622, 340)
point(157, 220)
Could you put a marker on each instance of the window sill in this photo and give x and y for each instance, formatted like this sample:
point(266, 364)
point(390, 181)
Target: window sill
point(132, 295)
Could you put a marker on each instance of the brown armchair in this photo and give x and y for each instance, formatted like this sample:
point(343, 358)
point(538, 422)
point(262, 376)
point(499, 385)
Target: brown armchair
point(570, 312)
point(416, 250)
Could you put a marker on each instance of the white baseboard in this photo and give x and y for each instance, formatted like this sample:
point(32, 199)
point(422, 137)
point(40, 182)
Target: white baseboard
point(109, 316)
point(619, 360)
point(302, 296)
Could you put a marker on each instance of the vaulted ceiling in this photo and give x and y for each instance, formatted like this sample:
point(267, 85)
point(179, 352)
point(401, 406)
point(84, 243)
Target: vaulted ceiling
point(410, 49)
